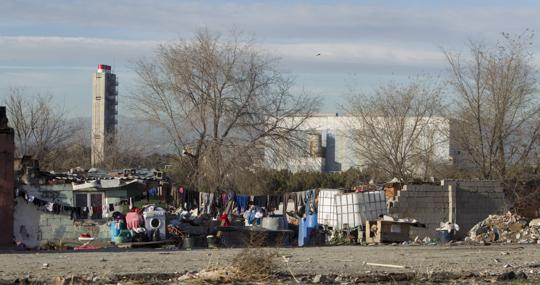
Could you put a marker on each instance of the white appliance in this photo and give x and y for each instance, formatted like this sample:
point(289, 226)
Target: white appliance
point(155, 220)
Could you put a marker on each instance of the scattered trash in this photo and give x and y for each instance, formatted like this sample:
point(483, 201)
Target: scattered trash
point(324, 279)
point(507, 228)
point(385, 265)
point(511, 275)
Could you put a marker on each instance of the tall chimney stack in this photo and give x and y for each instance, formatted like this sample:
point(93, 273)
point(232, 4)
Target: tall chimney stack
point(3, 118)
point(7, 179)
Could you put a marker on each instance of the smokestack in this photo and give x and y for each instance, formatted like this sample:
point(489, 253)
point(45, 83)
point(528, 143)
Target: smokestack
point(3, 118)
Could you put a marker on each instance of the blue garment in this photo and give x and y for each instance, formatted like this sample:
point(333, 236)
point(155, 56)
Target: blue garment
point(231, 196)
point(251, 217)
point(152, 192)
point(241, 202)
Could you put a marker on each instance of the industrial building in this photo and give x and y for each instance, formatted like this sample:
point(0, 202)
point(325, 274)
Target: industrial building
point(104, 112)
point(331, 145)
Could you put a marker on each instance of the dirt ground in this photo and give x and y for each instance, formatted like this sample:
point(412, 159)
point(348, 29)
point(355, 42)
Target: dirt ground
point(448, 263)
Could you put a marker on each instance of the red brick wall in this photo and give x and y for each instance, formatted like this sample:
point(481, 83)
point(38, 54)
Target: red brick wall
point(7, 184)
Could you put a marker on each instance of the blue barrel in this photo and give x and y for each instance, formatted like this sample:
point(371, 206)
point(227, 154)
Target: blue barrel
point(116, 228)
point(445, 236)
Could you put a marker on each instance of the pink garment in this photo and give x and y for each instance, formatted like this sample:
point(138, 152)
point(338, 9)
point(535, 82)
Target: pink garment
point(134, 220)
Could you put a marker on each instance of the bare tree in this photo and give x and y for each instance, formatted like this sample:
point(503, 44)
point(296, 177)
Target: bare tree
point(498, 112)
point(40, 127)
point(398, 128)
point(222, 103)
point(76, 151)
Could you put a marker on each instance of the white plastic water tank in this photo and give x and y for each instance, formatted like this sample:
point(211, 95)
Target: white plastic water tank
point(326, 209)
point(354, 209)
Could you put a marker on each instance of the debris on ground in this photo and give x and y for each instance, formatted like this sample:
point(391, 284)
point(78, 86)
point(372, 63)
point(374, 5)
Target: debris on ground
point(507, 228)
point(511, 275)
point(385, 265)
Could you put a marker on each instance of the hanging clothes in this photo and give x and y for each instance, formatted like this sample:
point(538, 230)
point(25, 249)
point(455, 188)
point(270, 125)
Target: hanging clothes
point(223, 199)
point(180, 196)
point(56, 208)
point(49, 206)
point(273, 202)
point(286, 197)
point(152, 192)
point(29, 198)
point(206, 202)
point(300, 199)
point(261, 201)
point(242, 202)
point(191, 199)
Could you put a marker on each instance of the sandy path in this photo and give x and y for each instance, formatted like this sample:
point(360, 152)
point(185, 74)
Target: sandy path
point(314, 260)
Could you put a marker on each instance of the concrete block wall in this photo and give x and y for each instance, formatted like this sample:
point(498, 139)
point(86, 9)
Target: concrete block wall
point(463, 202)
point(426, 203)
point(62, 228)
point(475, 201)
point(35, 227)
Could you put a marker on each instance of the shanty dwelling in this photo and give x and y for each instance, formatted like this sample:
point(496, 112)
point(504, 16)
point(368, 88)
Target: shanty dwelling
point(61, 210)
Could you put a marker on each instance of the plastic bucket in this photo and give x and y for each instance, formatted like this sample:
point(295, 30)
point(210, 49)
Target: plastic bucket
point(188, 243)
point(445, 236)
point(211, 240)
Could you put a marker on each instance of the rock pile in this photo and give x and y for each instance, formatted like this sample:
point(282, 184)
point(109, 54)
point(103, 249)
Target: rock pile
point(507, 228)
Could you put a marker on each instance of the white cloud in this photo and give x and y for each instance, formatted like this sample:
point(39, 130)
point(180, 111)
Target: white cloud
point(69, 52)
point(49, 39)
point(357, 52)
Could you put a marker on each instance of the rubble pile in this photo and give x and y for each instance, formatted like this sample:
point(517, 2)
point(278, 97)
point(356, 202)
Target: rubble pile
point(507, 228)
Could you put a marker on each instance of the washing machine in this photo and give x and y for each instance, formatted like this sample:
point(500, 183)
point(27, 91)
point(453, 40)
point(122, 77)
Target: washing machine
point(155, 220)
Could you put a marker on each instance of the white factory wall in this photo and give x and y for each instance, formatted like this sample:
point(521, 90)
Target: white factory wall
point(340, 148)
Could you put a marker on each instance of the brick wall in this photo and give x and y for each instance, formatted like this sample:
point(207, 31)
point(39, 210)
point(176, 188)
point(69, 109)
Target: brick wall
point(7, 180)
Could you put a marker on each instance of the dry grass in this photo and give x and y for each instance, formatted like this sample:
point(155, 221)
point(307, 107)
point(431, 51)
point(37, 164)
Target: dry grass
point(253, 264)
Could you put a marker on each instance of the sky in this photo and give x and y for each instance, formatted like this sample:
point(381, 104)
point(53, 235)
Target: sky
point(54, 46)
